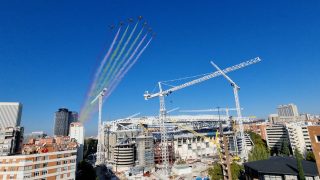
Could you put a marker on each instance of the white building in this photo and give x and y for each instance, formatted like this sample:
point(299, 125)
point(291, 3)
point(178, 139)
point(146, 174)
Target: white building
point(51, 165)
point(10, 114)
point(299, 137)
point(288, 110)
point(77, 133)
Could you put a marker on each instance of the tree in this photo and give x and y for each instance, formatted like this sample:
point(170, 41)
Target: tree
point(85, 171)
point(90, 147)
point(285, 148)
point(259, 152)
point(236, 170)
point(299, 159)
point(310, 156)
point(216, 172)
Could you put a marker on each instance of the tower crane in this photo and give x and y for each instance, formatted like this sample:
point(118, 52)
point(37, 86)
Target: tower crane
point(100, 148)
point(244, 153)
point(162, 93)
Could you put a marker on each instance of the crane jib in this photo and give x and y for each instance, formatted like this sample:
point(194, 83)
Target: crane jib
point(204, 78)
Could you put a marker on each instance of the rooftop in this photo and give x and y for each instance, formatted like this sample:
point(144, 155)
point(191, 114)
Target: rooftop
point(281, 165)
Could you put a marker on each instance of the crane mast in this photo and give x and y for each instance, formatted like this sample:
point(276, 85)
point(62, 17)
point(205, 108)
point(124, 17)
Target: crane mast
point(100, 149)
point(163, 131)
point(244, 153)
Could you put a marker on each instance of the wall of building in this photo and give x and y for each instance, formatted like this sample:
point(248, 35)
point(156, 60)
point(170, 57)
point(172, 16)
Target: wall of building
point(314, 133)
point(10, 114)
point(50, 166)
point(276, 134)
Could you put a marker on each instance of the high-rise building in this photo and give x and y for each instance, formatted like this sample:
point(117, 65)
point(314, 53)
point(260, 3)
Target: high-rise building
point(63, 119)
point(73, 117)
point(10, 114)
point(77, 133)
point(61, 122)
point(276, 135)
point(288, 110)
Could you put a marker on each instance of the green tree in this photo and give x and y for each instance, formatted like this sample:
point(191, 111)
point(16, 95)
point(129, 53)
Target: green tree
point(259, 152)
point(285, 148)
point(256, 139)
point(299, 159)
point(310, 156)
point(236, 170)
point(216, 172)
point(85, 171)
point(90, 147)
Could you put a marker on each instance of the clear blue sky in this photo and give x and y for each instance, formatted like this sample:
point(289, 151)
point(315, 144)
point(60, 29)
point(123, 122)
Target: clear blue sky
point(49, 51)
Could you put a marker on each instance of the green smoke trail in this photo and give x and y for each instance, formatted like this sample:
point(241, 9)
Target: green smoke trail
point(115, 66)
point(93, 84)
point(106, 81)
point(117, 80)
point(96, 89)
point(99, 88)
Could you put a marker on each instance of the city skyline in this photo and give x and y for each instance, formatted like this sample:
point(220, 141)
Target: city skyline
point(49, 55)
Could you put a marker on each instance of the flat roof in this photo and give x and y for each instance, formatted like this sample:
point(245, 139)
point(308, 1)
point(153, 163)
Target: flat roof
point(282, 165)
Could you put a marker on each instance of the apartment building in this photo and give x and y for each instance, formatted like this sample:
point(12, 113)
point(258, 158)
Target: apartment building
point(47, 165)
point(275, 135)
point(299, 137)
point(10, 140)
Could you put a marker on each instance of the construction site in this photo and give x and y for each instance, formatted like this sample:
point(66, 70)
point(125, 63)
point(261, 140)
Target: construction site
point(164, 146)
point(180, 146)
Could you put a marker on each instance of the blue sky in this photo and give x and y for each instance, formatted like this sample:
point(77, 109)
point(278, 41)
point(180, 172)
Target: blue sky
point(49, 51)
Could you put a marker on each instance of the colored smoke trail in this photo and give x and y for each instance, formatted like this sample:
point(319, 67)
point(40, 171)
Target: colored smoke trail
point(127, 54)
point(93, 84)
point(118, 80)
point(126, 48)
point(127, 62)
point(99, 88)
point(116, 65)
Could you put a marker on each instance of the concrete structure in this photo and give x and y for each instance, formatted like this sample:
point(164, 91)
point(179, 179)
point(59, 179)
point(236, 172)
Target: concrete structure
point(276, 134)
point(314, 133)
point(77, 133)
point(10, 140)
point(289, 110)
point(47, 165)
point(288, 113)
point(190, 147)
point(10, 114)
point(145, 155)
point(63, 119)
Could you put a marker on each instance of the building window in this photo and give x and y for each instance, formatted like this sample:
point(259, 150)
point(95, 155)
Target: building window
point(318, 138)
point(72, 161)
point(58, 162)
point(36, 173)
point(189, 146)
point(45, 165)
point(37, 166)
point(38, 158)
point(44, 172)
point(65, 162)
point(11, 176)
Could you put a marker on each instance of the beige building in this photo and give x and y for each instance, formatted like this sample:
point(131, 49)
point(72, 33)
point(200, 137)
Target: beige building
point(46, 165)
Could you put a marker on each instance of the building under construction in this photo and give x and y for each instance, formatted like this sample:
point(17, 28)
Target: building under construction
point(134, 143)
